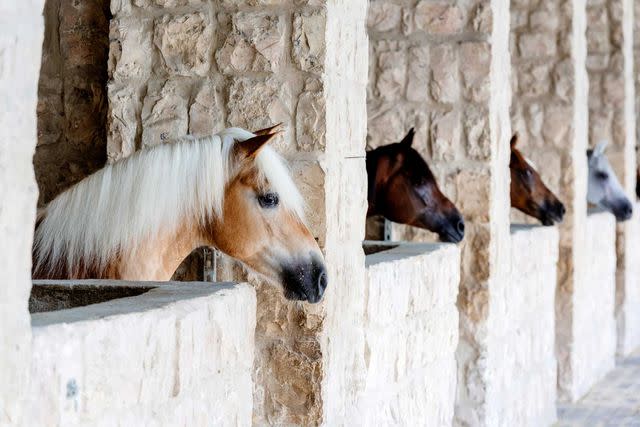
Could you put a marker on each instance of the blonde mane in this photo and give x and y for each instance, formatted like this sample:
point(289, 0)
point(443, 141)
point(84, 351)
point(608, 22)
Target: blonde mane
point(159, 188)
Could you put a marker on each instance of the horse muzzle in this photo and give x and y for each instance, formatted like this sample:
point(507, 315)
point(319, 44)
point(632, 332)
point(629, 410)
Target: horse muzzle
point(552, 212)
point(621, 208)
point(451, 230)
point(305, 281)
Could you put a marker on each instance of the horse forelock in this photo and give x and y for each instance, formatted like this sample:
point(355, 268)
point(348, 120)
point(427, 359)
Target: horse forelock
point(155, 190)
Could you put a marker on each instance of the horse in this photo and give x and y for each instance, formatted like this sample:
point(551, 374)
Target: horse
point(604, 189)
point(528, 193)
point(137, 219)
point(403, 189)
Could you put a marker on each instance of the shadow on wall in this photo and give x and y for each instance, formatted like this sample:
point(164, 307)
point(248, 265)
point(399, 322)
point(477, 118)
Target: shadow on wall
point(72, 101)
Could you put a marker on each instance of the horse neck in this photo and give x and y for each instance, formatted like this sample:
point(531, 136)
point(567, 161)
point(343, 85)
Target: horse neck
point(158, 258)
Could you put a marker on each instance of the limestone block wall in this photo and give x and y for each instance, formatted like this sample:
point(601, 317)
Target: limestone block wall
point(198, 66)
point(521, 322)
point(594, 326)
point(20, 52)
point(612, 117)
point(179, 354)
point(411, 335)
point(628, 297)
point(549, 112)
point(72, 94)
point(443, 68)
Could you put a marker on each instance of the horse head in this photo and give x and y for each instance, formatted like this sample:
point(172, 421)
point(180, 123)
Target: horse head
point(604, 189)
point(528, 192)
point(403, 189)
point(262, 221)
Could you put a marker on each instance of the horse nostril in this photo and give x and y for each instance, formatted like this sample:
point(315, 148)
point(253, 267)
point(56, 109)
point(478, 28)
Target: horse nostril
point(460, 226)
point(322, 283)
point(628, 210)
point(562, 210)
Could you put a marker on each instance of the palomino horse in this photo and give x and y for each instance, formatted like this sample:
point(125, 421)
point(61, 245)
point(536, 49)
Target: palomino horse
point(139, 218)
point(403, 189)
point(528, 192)
point(604, 189)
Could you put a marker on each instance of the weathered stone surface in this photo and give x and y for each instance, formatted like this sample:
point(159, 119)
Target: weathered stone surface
point(384, 16)
point(165, 112)
point(255, 104)
point(72, 107)
point(206, 114)
point(445, 85)
point(255, 42)
point(439, 18)
point(131, 52)
point(184, 43)
point(308, 40)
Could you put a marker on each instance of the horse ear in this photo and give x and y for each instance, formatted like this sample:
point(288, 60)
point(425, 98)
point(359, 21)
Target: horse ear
point(408, 140)
point(600, 148)
point(514, 140)
point(252, 146)
point(269, 130)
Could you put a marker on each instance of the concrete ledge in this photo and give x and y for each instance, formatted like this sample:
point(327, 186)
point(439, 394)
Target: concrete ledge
point(411, 334)
point(178, 354)
point(522, 333)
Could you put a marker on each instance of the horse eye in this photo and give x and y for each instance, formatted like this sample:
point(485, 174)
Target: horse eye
point(602, 176)
point(268, 200)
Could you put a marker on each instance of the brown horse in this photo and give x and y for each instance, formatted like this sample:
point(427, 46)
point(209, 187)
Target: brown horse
point(528, 192)
point(140, 217)
point(403, 189)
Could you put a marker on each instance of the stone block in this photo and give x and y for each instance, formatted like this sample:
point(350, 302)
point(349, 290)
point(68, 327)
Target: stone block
point(439, 18)
point(445, 135)
point(165, 111)
point(125, 107)
point(308, 40)
point(206, 113)
point(258, 103)
point(474, 69)
point(184, 43)
point(536, 45)
point(418, 74)
point(445, 84)
point(131, 52)
point(255, 42)
point(384, 16)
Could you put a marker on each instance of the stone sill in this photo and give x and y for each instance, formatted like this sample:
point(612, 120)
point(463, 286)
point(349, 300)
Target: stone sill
point(400, 250)
point(151, 296)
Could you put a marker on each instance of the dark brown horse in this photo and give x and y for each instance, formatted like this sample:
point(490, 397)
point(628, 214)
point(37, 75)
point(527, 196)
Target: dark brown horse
point(528, 192)
point(403, 189)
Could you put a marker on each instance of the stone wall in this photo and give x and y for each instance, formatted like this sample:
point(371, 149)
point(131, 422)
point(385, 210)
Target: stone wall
point(411, 335)
point(612, 118)
point(594, 326)
point(20, 53)
point(179, 354)
point(72, 94)
point(521, 325)
point(549, 112)
point(628, 296)
point(443, 68)
point(196, 67)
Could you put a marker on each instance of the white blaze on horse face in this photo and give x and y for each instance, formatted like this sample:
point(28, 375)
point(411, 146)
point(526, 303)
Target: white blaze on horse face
point(604, 189)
